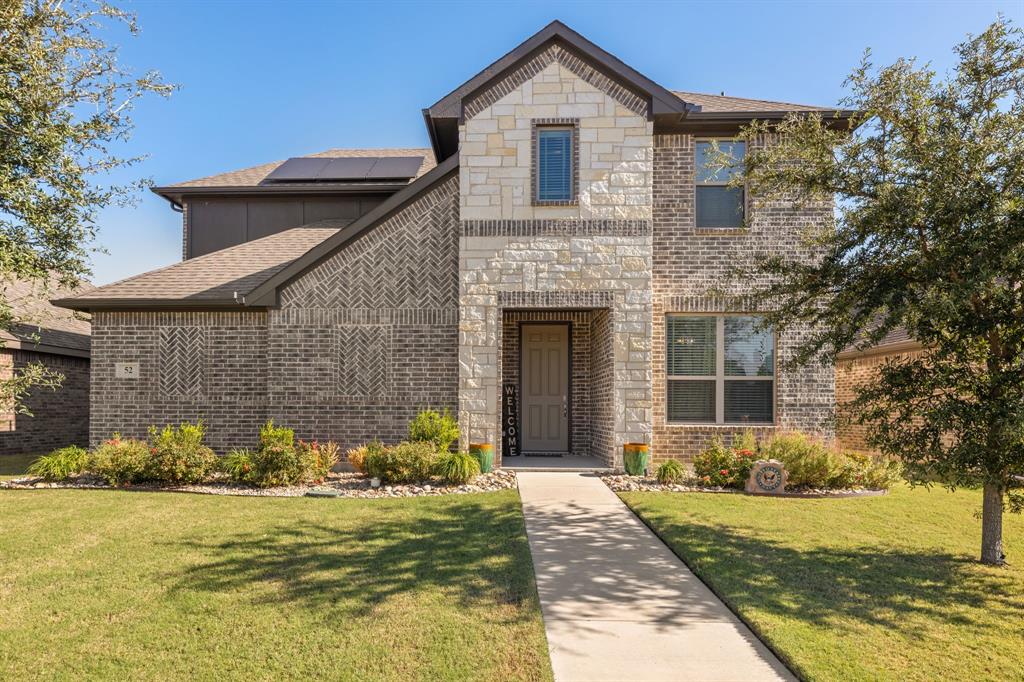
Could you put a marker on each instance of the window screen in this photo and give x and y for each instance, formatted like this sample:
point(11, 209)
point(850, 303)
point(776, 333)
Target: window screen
point(719, 205)
point(554, 164)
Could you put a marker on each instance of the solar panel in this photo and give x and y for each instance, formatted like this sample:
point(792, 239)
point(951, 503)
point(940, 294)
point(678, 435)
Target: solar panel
point(305, 169)
point(298, 169)
point(396, 167)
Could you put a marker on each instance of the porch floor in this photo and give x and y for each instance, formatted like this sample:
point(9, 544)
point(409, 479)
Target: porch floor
point(564, 463)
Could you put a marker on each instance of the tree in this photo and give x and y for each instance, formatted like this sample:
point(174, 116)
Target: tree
point(928, 233)
point(64, 102)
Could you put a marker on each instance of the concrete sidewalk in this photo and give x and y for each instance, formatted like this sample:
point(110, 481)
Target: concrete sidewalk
point(617, 603)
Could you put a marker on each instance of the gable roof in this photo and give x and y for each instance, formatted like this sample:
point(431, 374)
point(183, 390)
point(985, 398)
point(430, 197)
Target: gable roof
point(44, 327)
point(719, 104)
point(218, 279)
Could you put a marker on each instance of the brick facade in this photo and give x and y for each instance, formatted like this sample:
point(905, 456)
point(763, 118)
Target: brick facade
point(855, 369)
point(59, 417)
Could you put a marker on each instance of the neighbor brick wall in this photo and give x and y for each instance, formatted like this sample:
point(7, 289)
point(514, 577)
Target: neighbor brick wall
point(855, 371)
point(692, 265)
point(59, 417)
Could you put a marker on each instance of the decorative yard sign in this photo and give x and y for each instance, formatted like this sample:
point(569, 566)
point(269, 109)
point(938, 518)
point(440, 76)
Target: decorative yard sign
point(768, 477)
point(510, 420)
point(126, 370)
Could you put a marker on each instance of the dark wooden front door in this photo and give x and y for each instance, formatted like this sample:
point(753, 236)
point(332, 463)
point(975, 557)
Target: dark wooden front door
point(545, 387)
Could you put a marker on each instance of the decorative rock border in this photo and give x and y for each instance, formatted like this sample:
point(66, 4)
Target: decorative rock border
point(622, 483)
point(346, 485)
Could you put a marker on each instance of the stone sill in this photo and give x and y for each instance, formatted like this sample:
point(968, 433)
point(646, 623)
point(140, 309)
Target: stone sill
point(723, 427)
point(721, 231)
point(554, 203)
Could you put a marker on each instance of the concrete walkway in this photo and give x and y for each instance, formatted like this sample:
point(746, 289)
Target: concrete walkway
point(617, 603)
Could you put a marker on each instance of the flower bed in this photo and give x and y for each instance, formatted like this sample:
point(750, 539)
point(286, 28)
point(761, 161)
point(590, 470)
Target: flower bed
point(623, 483)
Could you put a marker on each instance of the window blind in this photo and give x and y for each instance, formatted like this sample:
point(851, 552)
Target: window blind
point(554, 165)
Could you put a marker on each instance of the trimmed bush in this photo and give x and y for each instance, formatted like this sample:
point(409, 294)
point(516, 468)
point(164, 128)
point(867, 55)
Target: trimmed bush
point(439, 428)
point(403, 463)
point(316, 460)
point(813, 464)
point(719, 465)
point(357, 456)
point(121, 461)
point(238, 466)
point(178, 454)
point(61, 464)
point(277, 461)
point(457, 467)
point(671, 472)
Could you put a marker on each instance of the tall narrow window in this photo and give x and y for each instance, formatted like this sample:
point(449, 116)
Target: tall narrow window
point(719, 205)
point(721, 370)
point(555, 159)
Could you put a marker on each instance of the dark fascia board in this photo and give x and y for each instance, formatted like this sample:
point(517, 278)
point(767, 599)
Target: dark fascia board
point(266, 293)
point(17, 344)
point(175, 194)
point(662, 100)
point(166, 304)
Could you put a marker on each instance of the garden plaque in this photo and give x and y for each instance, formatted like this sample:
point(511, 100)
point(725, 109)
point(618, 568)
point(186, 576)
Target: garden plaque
point(768, 477)
point(510, 420)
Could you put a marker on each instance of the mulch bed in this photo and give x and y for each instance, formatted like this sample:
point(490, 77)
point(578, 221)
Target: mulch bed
point(623, 483)
point(343, 484)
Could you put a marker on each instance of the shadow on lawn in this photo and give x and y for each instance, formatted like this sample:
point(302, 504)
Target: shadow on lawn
point(827, 585)
point(464, 550)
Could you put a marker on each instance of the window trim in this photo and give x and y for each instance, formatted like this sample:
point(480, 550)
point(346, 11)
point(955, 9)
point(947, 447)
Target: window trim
point(745, 222)
point(720, 377)
point(571, 124)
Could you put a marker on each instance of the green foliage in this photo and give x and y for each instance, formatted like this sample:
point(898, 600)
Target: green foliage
point(276, 462)
point(357, 456)
point(407, 462)
point(178, 454)
point(719, 465)
point(671, 472)
point(61, 464)
point(121, 461)
point(744, 440)
point(276, 436)
point(316, 460)
point(811, 463)
point(457, 467)
point(238, 466)
point(65, 105)
point(439, 428)
point(928, 235)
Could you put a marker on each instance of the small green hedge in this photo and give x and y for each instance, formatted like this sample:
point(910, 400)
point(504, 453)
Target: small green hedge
point(407, 462)
point(457, 467)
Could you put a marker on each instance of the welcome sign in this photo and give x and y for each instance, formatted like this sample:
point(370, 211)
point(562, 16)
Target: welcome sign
point(510, 420)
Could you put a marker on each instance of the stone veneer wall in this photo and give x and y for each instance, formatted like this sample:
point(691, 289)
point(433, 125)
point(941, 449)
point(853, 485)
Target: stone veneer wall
point(614, 155)
point(358, 345)
point(59, 417)
point(689, 262)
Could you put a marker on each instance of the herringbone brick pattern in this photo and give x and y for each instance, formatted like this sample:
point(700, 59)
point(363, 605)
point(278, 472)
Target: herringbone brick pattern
point(182, 355)
point(364, 360)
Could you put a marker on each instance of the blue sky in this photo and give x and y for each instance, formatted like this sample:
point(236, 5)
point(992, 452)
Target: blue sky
point(265, 80)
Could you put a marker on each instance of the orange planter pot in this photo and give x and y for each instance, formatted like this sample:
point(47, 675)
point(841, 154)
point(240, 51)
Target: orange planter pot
point(484, 453)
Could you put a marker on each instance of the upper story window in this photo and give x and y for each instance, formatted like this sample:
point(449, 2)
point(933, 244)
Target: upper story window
point(720, 370)
point(717, 204)
point(554, 164)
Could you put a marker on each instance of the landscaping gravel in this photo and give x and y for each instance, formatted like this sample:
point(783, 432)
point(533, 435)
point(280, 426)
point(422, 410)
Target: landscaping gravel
point(337, 485)
point(622, 483)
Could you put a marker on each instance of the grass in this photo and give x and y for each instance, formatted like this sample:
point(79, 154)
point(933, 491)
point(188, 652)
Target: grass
point(12, 466)
point(119, 584)
point(858, 589)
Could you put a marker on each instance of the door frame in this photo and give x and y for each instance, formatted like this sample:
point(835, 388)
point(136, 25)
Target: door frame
point(519, 384)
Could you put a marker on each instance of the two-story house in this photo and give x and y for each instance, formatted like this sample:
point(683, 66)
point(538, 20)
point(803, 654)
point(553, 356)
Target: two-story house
point(558, 244)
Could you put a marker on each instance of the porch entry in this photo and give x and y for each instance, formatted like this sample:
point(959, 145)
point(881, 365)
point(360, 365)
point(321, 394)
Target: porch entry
point(545, 402)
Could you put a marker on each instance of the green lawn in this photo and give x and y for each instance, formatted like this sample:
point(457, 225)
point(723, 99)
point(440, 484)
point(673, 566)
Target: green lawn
point(869, 589)
point(12, 466)
point(117, 584)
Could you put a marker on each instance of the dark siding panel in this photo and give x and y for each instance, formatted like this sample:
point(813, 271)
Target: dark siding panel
point(269, 217)
point(324, 209)
point(215, 224)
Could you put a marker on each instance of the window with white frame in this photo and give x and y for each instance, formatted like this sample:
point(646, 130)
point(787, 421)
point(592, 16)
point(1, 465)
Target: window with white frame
point(719, 205)
point(720, 370)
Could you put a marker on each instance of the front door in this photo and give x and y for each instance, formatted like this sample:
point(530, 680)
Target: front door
point(544, 372)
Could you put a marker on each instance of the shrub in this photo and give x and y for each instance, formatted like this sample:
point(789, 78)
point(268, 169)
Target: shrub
point(723, 466)
point(357, 456)
point(882, 473)
point(457, 467)
point(435, 427)
point(403, 463)
point(61, 464)
point(178, 454)
point(671, 472)
point(121, 461)
point(808, 461)
point(744, 441)
point(276, 436)
point(237, 464)
point(276, 462)
point(316, 460)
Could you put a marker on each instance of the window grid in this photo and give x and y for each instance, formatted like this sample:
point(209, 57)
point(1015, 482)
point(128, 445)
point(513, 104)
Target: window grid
point(718, 183)
point(719, 377)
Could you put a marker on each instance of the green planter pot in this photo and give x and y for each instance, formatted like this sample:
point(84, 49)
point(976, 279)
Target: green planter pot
point(484, 453)
point(635, 457)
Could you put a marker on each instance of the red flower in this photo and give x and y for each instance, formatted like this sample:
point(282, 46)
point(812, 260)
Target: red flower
point(745, 453)
point(724, 472)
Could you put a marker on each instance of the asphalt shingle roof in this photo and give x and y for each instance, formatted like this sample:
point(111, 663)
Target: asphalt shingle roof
point(254, 175)
point(218, 276)
point(41, 323)
point(714, 104)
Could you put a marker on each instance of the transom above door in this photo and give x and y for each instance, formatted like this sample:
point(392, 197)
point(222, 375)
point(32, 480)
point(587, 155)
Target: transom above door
point(544, 386)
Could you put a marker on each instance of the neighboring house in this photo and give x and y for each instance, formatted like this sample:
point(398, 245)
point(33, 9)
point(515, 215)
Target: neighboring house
point(855, 367)
point(59, 340)
point(562, 249)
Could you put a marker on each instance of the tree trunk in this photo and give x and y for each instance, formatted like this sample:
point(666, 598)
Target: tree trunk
point(992, 525)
